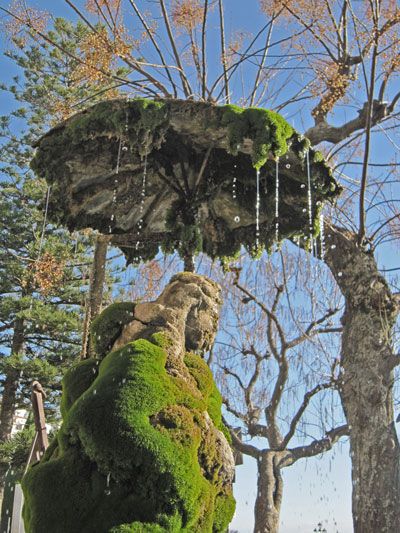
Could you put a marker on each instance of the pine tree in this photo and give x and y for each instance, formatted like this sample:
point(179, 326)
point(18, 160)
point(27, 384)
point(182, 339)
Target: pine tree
point(44, 274)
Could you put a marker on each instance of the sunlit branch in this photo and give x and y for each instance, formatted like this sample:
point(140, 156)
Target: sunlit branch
point(149, 33)
point(368, 126)
point(203, 52)
point(223, 50)
point(262, 63)
point(185, 83)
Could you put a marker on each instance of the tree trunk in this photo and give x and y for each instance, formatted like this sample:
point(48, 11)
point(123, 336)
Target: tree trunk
point(10, 389)
point(269, 494)
point(11, 383)
point(188, 263)
point(95, 298)
point(366, 383)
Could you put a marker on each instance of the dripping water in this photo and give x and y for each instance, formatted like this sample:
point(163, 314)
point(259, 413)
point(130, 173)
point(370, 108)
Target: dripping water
point(107, 491)
point(322, 235)
point(257, 208)
point(41, 242)
point(121, 148)
point(44, 222)
point(309, 202)
point(234, 180)
point(277, 200)
point(141, 207)
point(115, 189)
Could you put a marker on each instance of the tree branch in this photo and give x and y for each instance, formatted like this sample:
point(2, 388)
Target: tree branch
point(155, 44)
point(241, 446)
point(310, 331)
point(203, 52)
point(300, 411)
point(315, 448)
point(185, 83)
point(324, 132)
point(223, 50)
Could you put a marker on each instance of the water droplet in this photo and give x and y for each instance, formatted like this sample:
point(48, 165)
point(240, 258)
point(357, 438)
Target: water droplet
point(304, 210)
point(340, 274)
point(237, 219)
point(277, 199)
point(303, 185)
point(124, 148)
point(333, 246)
point(107, 492)
point(95, 392)
point(287, 165)
point(257, 204)
point(322, 234)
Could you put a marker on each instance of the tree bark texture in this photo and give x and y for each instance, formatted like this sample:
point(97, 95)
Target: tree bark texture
point(95, 299)
point(269, 494)
point(366, 383)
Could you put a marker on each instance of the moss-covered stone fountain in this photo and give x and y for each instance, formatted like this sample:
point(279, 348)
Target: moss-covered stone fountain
point(142, 446)
point(182, 175)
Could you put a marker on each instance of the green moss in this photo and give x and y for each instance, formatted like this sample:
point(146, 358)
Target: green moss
point(201, 372)
point(268, 130)
point(142, 427)
point(171, 526)
point(224, 508)
point(106, 328)
point(146, 122)
point(76, 380)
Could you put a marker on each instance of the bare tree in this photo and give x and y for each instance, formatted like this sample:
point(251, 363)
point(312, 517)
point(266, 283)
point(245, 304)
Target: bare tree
point(264, 357)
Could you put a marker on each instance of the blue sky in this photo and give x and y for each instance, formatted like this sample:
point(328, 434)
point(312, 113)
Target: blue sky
point(315, 490)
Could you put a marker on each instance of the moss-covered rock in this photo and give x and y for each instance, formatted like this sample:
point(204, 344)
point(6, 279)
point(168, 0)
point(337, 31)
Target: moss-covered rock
point(200, 184)
point(142, 444)
point(106, 330)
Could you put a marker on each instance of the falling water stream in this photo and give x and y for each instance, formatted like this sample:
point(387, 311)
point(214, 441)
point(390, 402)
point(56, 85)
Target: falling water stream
point(234, 180)
point(277, 200)
point(322, 235)
point(234, 183)
point(309, 202)
point(121, 147)
point(107, 491)
point(257, 208)
point(141, 208)
point(42, 235)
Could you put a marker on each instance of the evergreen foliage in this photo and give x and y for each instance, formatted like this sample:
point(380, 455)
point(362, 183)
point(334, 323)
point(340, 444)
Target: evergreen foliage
point(44, 272)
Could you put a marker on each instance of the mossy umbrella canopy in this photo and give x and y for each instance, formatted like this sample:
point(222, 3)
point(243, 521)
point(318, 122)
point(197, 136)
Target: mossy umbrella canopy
point(182, 175)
